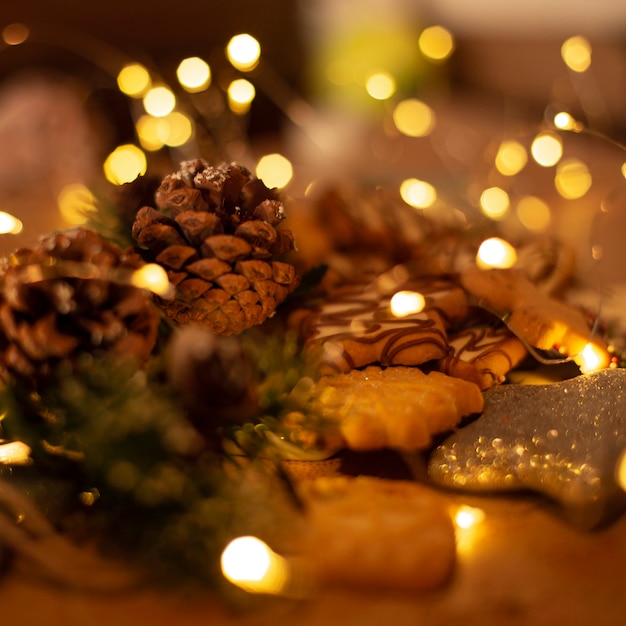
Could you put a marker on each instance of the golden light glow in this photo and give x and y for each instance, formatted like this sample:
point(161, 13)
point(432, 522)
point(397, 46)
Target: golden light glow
point(547, 149)
point(194, 74)
point(418, 193)
point(494, 202)
point(572, 179)
point(125, 164)
point(75, 202)
point(152, 277)
point(414, 118)
point(15, 34)
point(150, 132)
point(576, 53)
point(405, 303)
point(592, 358)
point(243, 51)
point(9, 224)
point(253, 566)
point(496, 253)
point(14, 453)
point(620, 470)
point(436, 43)
point(380, 85)
point(159, 101)
point(274, 170)
point(134, 80)
point(468, 516)
point(564, 121)
point(533, 213)
point(511, 158)
point(623, 170)
point(340, 72)
point(241, 93)
point(470, 529)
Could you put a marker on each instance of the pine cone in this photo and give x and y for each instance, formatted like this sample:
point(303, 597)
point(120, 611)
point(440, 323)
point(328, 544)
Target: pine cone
point(64, 298)
point(214, 232)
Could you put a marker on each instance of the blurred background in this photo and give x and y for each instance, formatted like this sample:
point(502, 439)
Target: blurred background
point(445, 97)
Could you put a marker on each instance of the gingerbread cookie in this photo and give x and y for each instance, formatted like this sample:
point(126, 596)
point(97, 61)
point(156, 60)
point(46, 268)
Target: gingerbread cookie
point(355, 324)
point(370, 532)
point(395, 407)
point(539, 320)
point(482, 353)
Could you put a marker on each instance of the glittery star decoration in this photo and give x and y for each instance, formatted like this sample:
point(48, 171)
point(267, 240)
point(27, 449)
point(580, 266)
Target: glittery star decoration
point(564, 440)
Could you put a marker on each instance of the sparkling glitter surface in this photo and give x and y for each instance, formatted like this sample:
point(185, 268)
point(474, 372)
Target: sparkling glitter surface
point(563, 440)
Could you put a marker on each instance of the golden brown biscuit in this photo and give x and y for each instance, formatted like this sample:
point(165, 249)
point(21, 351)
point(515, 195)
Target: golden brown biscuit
point(482, 353)
point(370, 532)
point(354, 326)
point(395, 407)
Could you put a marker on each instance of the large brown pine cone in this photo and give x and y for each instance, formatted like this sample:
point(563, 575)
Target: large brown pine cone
point(215, 232)
point(67, 296)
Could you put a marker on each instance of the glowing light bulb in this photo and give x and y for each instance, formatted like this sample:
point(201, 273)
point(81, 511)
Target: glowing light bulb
point(592, 358)
point(494, 202)
point(418, 193)
point(75, 202)
point(572, 179)
point(15, 34)
point(253, 566)
point(125, 164)
point(241, 93)
point(152, 277)
point(546, 149)
point(14, 453)
point(496, 253)
point(243, 52)
point(274, 170)
point(576, 53)
point(380, 85)
point(436, 43)
point(134, 80)
point(533, 213)
point(405, 303)
point(159, 101)
point(194, 74)
point(414, 118)
point(511, 158)
point(9, 224)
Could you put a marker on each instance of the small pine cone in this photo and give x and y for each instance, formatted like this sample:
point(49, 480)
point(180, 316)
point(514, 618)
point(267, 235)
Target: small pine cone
point(64, 298)
point(215, 232)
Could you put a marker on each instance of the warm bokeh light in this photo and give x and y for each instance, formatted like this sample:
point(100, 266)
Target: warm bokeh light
point(380, 85)
point(547, 149)
point(576, 53)
point(14, 453)
point(125, 164)
point(194, 74)
point(511, 158)
point(565, 121)
point(149, 132)
point(152, 277)
point(243, 52)
point(534, 213)
point(623, 170)
point(253, 566)
point(494, 202)
point(241, 93)
point(496, 253)
point(75, 202)
point(470, 529)
point(592, 358)
point(15, 34)
point(436, 43)
point(9, 224)
point(572, 179)
point(172, 130)
point(418, 193)
point(134, 80)
point(274, 170)
point(468, 516)
point(414, 118)
point(620, 470)
point(159, 101)
point(405, 303)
